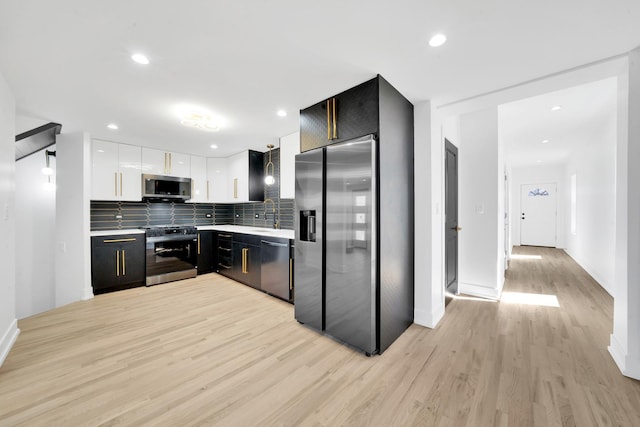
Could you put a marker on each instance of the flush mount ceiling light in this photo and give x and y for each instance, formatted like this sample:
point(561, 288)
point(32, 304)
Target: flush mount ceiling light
point(200, 120)
point(112, 126)
point(282, 113)
point(269, 178)
point(140, 59)
point(545, 141)
point(437, 40)
point(556, 108)
point(214, 146)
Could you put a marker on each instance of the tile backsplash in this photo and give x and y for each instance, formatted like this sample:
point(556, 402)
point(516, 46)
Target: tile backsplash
point(127, 215)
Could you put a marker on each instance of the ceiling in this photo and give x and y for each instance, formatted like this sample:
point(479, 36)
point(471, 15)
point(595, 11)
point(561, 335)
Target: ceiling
point(525, 124)
point(69, 62)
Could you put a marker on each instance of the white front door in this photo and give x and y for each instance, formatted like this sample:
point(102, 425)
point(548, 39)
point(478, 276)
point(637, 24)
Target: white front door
point(538, 214)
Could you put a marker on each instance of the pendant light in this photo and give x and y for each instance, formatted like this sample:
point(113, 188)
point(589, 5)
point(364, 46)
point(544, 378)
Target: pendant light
point(268, 178)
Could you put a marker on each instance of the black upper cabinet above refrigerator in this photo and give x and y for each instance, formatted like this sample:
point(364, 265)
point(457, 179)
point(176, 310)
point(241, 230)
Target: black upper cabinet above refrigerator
point(350, 114)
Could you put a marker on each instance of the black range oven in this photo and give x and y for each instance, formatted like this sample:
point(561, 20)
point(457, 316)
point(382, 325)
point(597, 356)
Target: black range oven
point(171, 254)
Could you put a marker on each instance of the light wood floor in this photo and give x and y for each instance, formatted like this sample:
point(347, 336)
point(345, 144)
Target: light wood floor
point(208, 351)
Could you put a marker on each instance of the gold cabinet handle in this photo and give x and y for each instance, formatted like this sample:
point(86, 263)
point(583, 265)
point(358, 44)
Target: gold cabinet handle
point(245, 251)
point(117, 263)
point(170, 163)
point(198, 243)
point(335, 128)
point(235, 188)
point(328, 119)
point(130, 239)
point(120, 184)
point(124, 264)
point(165, 162)
point(115, 184)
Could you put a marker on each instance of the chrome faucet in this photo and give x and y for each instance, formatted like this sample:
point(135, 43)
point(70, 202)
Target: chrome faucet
point(273, 209)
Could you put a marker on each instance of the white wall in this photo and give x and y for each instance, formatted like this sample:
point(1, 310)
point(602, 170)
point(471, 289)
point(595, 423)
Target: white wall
point(428, 309)
point(289, 147)
point(593, 245)
point(625, 340)
point(35, 267)
point(481, 205)
point(554, 173)
point(73, 251)
point(8, 324)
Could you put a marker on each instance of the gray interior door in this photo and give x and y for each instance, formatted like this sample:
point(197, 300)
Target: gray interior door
point(350, 313)
point(451, 222)
point(308, 267)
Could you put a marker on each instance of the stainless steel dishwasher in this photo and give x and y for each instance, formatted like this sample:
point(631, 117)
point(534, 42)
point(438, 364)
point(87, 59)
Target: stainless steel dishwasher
point(275, 268)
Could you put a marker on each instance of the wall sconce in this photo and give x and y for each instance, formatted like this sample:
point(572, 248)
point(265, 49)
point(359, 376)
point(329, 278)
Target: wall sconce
point(47, 170)
point(269, 179)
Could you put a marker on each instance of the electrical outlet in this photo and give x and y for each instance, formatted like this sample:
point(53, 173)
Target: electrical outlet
point(208, 215)
point(119, 216)
point(257, 215)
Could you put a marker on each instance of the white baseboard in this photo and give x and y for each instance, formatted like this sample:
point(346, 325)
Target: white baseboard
point(479, 291)
point(604, 284)
point(8, 339)
point(428, 319)
point(629, 366)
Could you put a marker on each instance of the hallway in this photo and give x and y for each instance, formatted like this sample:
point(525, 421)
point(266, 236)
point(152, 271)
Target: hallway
point(553, 362)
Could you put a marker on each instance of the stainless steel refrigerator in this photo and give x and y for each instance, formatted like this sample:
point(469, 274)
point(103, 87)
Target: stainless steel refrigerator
point(337, 265)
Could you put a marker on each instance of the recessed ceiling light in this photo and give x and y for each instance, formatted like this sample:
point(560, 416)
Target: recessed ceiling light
point(544, 141)
point(282, 113)
point(437, 40)
point(538, 161)
point(556, 108)
point(214, 146)
point(112, 126)
point(140, 58)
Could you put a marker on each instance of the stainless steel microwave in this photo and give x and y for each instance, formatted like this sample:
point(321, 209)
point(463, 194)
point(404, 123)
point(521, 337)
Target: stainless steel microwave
point(165, 188)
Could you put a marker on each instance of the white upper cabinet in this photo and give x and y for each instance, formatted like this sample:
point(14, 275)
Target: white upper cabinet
point(239, 177)
point(218, 190)
point(129, 158)
point(289, 147)
point(115, 171)
point(198, 179)
point(160, 162)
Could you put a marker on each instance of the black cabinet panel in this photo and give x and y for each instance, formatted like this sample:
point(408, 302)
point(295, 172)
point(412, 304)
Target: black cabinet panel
point(348, 115)
point(256, 176)
point(313, 127)
point(117, 262)
point(205, 252)
point(246, 264)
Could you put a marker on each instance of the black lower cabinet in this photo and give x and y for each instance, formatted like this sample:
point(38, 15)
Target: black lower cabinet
point(206, 253)
point(117, 262)
point(246, 264)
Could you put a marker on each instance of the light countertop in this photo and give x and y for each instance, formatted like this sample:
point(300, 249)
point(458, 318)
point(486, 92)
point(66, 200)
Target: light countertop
point(259, 231)
point(98, 233)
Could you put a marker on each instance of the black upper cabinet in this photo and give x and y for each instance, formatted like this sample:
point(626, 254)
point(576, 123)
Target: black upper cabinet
point(348, 115)
point(117, 262)
point(256, 176)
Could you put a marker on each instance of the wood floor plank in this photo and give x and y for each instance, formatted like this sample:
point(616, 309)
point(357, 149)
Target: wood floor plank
point(209, 351)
